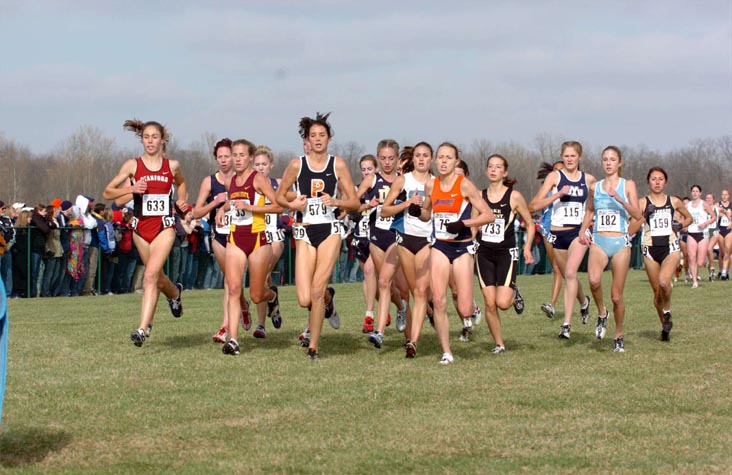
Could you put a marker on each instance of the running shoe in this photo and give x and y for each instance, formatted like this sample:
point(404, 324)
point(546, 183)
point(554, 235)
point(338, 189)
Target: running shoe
point(246, 317)
point(277, 319)
point(585, 310)
point(498, 350)
point(477, 316)
point(667, 325)
point(619, 345)
point(548, 310)
point(711, 274)
point(260, 332)
point(273, 305)
point(402, 317)
point(221, 335)
point(313, 354)
point(566, 331)
point(601, 326)
point(467, 332)
point(724, 276)
point(148, 330)
point(176, 306)
point(230, 348)
point(411, 349)
point(330, 311)
point(377, 339)
point(446, 359)
point(368, 324)
point(305, 338)
point(518, 301)
point(695, 285)
point(138, 337)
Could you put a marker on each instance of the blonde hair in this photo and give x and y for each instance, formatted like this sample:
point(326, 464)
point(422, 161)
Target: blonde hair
point(264, 150)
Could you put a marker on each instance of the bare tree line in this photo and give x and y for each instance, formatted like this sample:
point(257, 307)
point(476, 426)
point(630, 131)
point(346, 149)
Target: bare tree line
point(87, 160)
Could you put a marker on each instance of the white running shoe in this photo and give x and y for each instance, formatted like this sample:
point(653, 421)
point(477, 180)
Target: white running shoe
point(401, 322)
point(477, 316)
point(548, 310)
point(446, 359)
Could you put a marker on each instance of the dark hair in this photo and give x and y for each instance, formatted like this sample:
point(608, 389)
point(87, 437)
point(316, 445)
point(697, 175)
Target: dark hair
point(407, 156)
point(464, 167)
point(138, 126)
point(320, 119)
point(225, 142)
point(250, 146)
point(656, 169)
point(507, 181)
point(369, 158)
point(424, 144)
point(697, 186)
point(99, 208)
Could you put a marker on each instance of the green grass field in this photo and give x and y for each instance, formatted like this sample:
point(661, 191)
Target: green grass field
point(82, 399)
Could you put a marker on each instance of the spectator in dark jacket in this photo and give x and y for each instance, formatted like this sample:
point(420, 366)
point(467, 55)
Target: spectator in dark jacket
point(40, 229)
point(7, 233)
point(20, 254)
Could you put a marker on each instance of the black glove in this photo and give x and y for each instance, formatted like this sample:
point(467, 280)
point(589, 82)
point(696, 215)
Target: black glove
point(415, 210)
point(650, 208)
point(455, 227)
point(676, 226)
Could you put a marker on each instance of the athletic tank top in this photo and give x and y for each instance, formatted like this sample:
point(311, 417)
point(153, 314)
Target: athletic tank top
point(414, 226)
point(270, 219)
point(157, 201)
point(698, 215)
point(313, 183)
point(361, 229)
point(546, 215)
point(246, 221)
point(216, 188)
point(713, 226)
point(379, 191)
point(569, 210)
point(722, 219)
point(610, 216)
point(500, 233)
point(449, 206)
point(657, 229)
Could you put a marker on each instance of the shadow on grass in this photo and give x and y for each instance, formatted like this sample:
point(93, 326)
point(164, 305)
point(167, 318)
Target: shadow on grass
point(187, 341)
point(651, 334)
point(29, 445)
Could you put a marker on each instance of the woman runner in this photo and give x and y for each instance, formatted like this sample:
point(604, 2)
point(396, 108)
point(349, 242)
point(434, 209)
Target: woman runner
point(449, 200)
point(497, 257)
point(150, 181)
point(567, 192)
point(319, 180)
point(660, 242)
point(612, 201)
point(247, 246)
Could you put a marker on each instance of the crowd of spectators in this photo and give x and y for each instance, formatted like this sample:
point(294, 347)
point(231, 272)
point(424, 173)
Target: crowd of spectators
point(86, 248)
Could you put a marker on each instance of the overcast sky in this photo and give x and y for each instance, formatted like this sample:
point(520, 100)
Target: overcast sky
point(625, 72)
